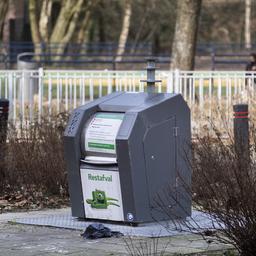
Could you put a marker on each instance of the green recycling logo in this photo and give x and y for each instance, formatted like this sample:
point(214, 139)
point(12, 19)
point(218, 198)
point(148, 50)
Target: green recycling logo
point(100, 200)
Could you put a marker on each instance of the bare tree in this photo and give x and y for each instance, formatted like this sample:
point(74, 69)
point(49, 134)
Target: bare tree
point(65, 28)
point(184, 43)
point(247, 29)
point(125, 29)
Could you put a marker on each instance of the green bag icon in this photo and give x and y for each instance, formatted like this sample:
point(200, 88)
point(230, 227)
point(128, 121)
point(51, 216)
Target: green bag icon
point(100, 200)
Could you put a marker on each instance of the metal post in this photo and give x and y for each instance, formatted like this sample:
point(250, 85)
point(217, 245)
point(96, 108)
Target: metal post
point(241, 131)
point(151, 68)
point(4, 110)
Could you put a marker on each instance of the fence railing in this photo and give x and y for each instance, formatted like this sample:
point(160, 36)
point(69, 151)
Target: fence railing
point(103, 55)
point(35, 93)
point(71, 54)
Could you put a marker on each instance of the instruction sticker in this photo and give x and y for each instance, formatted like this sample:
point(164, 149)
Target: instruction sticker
point(100, 136)
point(102, 194)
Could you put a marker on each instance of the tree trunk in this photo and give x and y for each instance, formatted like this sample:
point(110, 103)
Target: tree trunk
point(65, 23)
point(34, 27)
point(139, 30)
point(101, 23)
point(83, 31)
point(125, 30)
point(44, 19)
point(184, 42)
point(84, 28)
point(3, 11)
point(65, 28)
point(247, 30)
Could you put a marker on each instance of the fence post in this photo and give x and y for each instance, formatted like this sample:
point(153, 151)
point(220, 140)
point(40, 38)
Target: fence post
point(170, 82)
point(4, 111)
point(241, 132)
point(40, 93)
point(213, 59)
point(176, 81)
point(10, 93)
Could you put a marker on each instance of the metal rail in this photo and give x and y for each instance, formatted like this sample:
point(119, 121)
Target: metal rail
point(43, 92)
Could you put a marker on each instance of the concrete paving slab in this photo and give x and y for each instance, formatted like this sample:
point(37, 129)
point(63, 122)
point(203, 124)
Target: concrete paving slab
point(63, 219)
point(23, 240)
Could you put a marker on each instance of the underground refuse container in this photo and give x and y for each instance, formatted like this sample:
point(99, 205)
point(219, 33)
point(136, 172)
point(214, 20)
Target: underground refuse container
point(126, 157)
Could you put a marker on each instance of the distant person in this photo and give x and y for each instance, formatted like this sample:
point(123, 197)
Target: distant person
point(251, 66)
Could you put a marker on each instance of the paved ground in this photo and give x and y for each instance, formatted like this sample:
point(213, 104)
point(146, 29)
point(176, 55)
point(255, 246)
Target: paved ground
point(27, 240)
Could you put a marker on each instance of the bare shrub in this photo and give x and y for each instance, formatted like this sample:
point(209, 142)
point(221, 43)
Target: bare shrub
point(34, 158)
point(145, 247)
point(224, 185)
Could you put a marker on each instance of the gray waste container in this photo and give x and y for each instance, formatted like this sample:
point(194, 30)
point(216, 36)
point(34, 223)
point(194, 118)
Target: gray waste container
point(126, 157)
point(30, 89)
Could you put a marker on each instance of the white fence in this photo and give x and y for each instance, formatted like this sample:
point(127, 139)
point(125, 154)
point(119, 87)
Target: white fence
point(38, 92)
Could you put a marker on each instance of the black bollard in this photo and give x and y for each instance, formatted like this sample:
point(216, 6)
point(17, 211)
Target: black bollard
point(4, 111)
point(241, 131)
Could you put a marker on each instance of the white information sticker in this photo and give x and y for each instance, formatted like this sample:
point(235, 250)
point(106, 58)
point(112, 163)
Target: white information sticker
point(102, 194)
point(100, 135)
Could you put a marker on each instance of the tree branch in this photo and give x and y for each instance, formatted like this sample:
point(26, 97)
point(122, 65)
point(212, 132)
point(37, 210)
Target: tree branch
point(44, 19)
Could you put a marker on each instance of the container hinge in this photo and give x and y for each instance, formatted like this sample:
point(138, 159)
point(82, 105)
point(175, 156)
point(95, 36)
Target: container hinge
point(175, 131)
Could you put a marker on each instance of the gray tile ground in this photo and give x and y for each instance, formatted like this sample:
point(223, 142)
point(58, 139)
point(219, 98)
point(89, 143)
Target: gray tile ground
point(29, 240)
point(63, 219)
